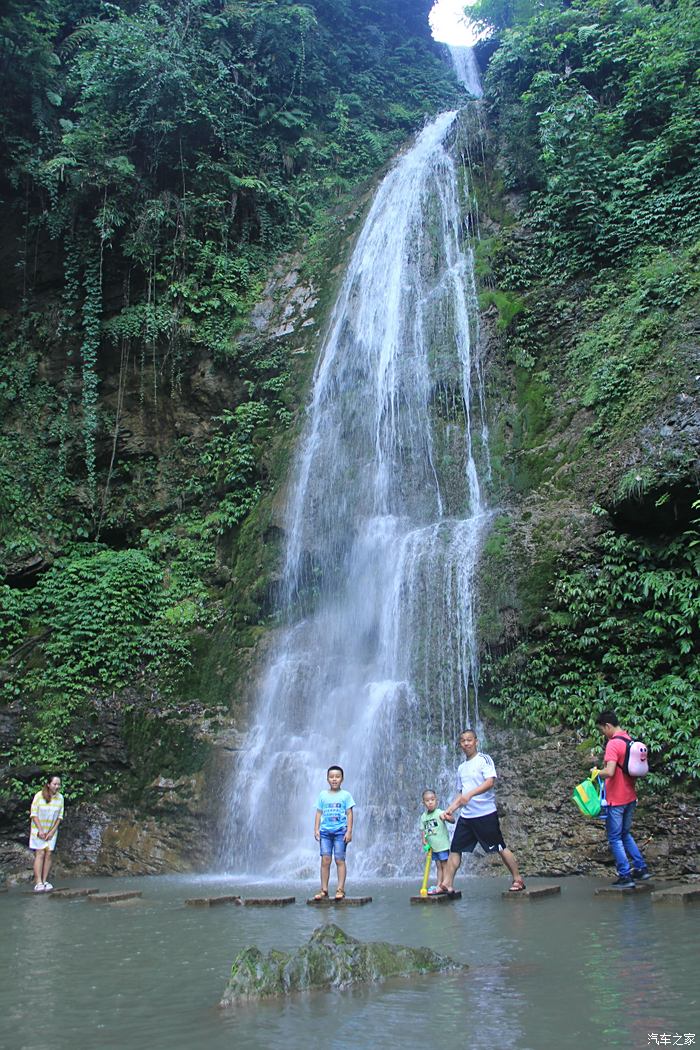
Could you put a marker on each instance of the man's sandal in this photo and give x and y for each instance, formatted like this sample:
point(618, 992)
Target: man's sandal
point(340, 895)
point(321, 895)
point(517, 887)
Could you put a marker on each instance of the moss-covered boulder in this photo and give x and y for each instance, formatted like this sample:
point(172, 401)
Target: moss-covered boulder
point(330, 959)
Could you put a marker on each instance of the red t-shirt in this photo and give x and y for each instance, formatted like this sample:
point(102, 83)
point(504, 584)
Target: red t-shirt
point(619, 788)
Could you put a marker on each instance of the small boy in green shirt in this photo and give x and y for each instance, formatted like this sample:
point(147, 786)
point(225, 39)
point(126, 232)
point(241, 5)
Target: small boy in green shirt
point(434, 833)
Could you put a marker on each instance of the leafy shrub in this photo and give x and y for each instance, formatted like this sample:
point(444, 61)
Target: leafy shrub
point(98, 620)
point(622, 631)
point(596, 107)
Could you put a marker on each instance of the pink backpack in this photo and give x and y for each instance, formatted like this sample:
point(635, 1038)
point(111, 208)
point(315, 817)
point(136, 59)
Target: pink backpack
point(636, 760)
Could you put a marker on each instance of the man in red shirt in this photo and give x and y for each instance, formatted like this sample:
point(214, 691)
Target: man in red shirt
point(622, 800)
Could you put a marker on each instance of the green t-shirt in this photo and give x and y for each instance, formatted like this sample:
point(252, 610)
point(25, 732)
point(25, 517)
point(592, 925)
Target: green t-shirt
point(435, 831)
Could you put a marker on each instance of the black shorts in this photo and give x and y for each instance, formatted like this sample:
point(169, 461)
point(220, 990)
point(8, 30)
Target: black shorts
point(482, 831)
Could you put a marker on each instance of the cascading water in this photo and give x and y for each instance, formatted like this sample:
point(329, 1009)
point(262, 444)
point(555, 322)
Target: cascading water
point(466, 69)
point(377, 667)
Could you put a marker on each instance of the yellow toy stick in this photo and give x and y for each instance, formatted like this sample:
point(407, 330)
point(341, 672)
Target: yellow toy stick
point(426, 873)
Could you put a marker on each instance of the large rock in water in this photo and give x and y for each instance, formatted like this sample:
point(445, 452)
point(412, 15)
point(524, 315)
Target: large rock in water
point(330, 959)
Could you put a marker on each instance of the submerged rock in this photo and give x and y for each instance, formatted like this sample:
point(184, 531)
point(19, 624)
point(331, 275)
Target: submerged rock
point(330, 959)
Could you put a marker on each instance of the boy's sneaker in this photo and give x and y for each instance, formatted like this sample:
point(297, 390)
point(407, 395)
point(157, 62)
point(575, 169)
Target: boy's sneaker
point(623, 880)
point(641, 874)
point(47, 886)
point(39, 888)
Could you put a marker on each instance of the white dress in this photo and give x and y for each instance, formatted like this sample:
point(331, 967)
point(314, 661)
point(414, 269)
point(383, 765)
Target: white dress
point(45, 813)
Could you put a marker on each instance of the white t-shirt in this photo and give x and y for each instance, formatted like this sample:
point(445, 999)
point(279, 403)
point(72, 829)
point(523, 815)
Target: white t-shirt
point(471, 774)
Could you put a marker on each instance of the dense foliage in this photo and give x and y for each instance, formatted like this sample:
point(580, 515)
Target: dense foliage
point(156, 161)
point(597, 104)
point(96, 622)
point(595, 274)
point(623, 632)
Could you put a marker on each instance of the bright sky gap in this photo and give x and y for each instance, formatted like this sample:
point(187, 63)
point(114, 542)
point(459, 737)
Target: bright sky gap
point(450, 25)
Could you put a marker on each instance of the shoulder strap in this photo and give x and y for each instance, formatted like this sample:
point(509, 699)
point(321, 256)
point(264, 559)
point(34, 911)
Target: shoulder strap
point(627, 741)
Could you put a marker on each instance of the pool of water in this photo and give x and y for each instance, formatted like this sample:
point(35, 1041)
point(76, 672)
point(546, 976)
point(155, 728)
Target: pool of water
point(567, 971)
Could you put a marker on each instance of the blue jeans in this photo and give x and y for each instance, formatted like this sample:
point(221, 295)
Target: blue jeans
point(618, 822)
point(333, 842)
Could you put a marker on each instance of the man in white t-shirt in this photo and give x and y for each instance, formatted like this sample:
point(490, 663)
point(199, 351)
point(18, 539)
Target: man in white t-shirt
point(478, 820)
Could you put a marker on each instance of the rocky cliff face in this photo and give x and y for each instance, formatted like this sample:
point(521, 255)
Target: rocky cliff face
point(536, 777)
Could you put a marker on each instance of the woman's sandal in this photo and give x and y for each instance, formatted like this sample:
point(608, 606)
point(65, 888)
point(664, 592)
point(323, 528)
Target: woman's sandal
point(321, 895)
point(340, 895)
point(517, 887)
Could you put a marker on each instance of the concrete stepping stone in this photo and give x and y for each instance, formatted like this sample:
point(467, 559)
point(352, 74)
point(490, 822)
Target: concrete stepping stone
point(110, 898)
point(71, 894)
point(677, 895)
point(532, 893)
point(622, 891)
point(266, 902)
point(210, 902)
point(347, 902)
point(437, 898)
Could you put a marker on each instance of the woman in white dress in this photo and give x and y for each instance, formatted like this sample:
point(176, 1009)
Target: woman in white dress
point(46, 814)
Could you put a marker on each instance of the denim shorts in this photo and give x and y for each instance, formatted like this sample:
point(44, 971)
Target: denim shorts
point(333, 842)
point(442, 854)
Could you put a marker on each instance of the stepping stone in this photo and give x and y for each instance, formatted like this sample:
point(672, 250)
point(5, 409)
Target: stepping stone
point(623, 891)
point(677, 895)
point(437, 898)
point(533, 893)
point(267, 902)
point(71, 894)
point(348, 902)
point(110, 898)
point(209, 902)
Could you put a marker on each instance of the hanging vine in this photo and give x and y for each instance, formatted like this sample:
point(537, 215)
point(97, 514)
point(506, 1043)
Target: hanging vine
point(91, 315)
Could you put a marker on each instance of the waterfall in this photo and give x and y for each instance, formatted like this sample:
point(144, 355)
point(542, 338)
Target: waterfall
point(466, 69)
point(375, 667)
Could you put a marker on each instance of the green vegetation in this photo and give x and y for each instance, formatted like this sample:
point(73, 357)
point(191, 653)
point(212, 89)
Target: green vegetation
point(622, 632)
point(156, 163)
point(157, 160)
point(593, 135)
point(597, 103)
point(92, 625)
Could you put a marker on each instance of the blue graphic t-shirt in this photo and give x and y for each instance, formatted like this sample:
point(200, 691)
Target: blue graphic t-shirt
point(334, 806)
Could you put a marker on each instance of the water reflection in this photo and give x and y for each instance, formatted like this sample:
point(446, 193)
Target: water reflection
point(38, 949)
point(631, 974)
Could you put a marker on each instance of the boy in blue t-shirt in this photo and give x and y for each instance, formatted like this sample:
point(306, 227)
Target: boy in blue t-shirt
point(333, 830)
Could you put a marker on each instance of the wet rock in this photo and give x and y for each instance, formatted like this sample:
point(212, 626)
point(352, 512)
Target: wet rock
point(23, 571)
point(330, 959)
point(286, 301)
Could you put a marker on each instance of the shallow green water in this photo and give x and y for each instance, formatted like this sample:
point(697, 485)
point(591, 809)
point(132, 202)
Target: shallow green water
point(569, 971)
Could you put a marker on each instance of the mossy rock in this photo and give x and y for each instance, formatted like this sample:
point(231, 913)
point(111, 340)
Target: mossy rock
point(330, 959)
